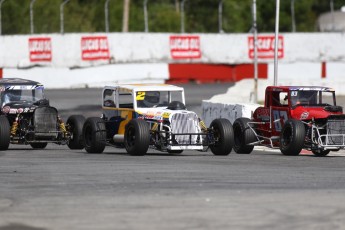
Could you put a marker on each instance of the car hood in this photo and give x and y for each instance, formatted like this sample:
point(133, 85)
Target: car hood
point(23, 106)
point(307, 113)
point(161, 113)
point(18, 107)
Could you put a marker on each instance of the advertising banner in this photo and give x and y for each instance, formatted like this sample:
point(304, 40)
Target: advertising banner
point(185, 47)
point(40, 49)
point(266, 46)
point(94, 48)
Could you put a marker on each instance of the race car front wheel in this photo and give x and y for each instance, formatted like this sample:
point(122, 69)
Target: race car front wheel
point(94, 135)
point(292, 137)
point(137, 137)
point(75, 124)
point(4, 133)
point(321, 152)
point(223, 135)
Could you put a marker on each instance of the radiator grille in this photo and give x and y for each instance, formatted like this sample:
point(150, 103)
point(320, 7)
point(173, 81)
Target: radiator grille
point(335, 127)
point(45, 120)
point(185, 123)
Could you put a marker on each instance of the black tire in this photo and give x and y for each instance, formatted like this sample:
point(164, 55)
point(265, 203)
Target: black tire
point(223, 135)
point(39, 145)
point(292, 137)
point(243, 135)
point(137, 137)
point(4, 133)
point(75, 123)
point(175, 151)
point(321, 153)
point(94, 135)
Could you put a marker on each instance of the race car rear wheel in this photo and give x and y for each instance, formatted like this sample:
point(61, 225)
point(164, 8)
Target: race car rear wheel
point(75, 124)
point(321, 153)
point(223, 136)
point(243, 135)
point(137, 137)
point(4, 133)
point(94, 135)
point(292, 137)
point(39, 145)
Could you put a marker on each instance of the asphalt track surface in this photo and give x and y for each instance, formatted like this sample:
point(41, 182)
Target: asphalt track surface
point(59, 188)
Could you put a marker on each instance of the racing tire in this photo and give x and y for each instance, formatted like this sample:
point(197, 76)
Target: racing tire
point(137, 137)
point(321, 153)
point(176, 152)
point(223, 136)
point(39, 145)
point(94, 135)
point(243, 135)
point(292, 137)
point(5, 136)
point(75, 123)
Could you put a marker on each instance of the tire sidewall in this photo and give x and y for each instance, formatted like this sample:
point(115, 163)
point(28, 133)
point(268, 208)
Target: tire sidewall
point(242, 136)
point(76, 123)
point(94, 135)
point(141, 131)
point(5, 137)
point(292, 137)
point(223, 128)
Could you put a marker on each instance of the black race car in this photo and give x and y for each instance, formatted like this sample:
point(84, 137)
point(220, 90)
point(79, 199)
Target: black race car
point(27, 118)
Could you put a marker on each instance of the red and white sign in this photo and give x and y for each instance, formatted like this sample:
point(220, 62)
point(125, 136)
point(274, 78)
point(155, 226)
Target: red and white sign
point(266, 46)
point(185, 47)
point(40, 49)
point(94, 48)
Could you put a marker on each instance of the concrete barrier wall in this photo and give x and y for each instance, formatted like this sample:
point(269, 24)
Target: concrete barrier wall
point(160, 72)
point(231, 111)
point(93, 77)
point(85, 50)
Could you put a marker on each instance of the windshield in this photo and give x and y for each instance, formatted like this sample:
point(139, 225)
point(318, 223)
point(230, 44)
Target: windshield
point(16, 95)
point(152, 99)
point(312, 98)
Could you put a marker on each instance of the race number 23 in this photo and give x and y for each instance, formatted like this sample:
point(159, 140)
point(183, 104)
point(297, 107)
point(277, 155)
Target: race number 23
point(278, 116)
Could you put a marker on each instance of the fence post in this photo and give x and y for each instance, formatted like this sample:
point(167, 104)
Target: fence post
point(62, 16)
point(1, 1)
point(323, 69)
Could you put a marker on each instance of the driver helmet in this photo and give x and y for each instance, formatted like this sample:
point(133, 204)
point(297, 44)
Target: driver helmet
point(151, 98)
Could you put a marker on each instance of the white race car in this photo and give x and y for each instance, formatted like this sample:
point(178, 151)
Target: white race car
point(142, 116)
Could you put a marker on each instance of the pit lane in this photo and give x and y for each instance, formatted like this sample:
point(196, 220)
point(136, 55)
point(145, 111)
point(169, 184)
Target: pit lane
point(58, 188)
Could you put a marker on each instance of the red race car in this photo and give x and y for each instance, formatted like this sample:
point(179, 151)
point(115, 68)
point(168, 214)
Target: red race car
point(293, 118)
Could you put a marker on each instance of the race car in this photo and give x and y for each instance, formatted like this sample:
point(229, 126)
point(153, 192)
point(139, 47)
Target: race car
point(27, 118)
point(142, 116)
point(294, 118)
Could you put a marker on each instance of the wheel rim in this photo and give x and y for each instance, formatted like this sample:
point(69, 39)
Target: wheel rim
point(88, 136)
point(130, 137)
point(216, 136)
point(237, 136)
point(72, 130)
point(287, 135)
